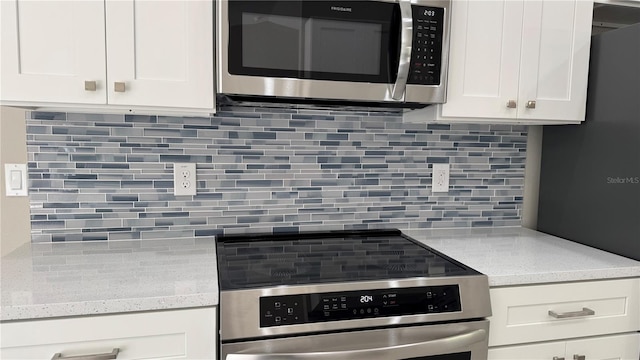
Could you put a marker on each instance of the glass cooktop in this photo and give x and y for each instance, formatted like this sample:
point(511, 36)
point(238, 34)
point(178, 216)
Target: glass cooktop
point(257, 261)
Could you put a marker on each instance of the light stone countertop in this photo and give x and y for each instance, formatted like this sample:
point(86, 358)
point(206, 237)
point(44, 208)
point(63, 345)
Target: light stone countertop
point(89, 278)
point(519, 256)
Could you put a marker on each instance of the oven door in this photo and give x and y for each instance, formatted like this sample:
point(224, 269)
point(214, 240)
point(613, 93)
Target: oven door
point(455, 341)
point(337, 49)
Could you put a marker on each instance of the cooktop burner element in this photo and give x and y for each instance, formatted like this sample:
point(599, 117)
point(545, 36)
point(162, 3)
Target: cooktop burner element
point(274, 260)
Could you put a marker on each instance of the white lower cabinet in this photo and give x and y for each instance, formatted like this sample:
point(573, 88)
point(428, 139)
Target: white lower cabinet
point(175, 334)
point(571, 321)
point(623, 347)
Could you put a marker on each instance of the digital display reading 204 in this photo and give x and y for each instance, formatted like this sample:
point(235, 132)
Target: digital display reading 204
point(309, 308)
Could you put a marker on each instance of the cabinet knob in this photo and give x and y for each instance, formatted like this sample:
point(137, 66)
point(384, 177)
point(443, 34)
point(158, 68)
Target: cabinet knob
point(531, 104)
point(119, 86)
point(106, 356)
point(90, 85)
point(511, 104)
point(579, 357)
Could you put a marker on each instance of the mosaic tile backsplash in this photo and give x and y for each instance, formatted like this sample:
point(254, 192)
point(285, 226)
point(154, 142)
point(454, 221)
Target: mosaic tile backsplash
point(110, 177)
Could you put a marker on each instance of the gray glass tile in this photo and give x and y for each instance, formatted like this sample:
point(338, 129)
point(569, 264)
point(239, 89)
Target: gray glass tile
point(265, 169)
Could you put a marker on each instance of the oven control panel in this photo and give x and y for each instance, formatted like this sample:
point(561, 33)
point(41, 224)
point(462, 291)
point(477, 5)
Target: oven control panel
point(310, 308)
point(426, 57)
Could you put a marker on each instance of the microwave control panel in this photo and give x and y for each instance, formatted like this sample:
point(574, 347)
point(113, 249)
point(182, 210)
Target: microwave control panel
point(426, 57)
point(322, 307)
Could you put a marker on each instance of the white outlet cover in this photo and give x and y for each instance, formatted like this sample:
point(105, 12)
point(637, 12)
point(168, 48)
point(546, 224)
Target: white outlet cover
point(184, 179)
point(440, 178)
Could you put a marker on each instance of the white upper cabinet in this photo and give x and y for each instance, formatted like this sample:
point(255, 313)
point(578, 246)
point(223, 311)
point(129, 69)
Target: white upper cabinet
point(484, 58)
point(517, 60)
point(554, 66)
point(122, 53)
point(49, 49)
point(161, 52)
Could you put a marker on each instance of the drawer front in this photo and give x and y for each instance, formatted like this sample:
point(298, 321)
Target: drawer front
point(623, 347)
point(523, 314)
point(539, 351)
point(178, 334)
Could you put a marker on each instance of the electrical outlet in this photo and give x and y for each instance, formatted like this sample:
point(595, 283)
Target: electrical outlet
point(440, 178)
point(184, 179)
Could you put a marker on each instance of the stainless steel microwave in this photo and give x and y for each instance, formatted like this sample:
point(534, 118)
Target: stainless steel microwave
point(390, 53)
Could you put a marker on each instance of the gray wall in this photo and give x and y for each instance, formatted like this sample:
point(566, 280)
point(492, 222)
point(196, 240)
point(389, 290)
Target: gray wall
point(109, 177)
point(14, 211)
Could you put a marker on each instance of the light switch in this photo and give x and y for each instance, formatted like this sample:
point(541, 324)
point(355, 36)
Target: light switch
point(15, 178)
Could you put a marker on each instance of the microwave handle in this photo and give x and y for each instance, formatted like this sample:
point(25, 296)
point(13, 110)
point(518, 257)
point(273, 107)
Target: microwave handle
point(436, 347)
point(406, 46)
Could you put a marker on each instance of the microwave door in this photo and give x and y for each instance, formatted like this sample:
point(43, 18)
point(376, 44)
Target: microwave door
point(326, 40)
point(342, 50)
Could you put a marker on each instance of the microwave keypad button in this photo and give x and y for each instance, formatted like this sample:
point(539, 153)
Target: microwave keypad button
point(427, 45)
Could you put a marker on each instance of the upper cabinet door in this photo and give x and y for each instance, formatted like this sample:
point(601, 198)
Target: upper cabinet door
point(52, 51)
point(484, 59)
point(160, 53)
point(554, 68)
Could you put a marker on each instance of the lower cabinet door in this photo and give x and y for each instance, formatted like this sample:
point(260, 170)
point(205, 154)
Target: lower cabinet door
point(618, 347)
point(541, 351)
point(623, 347)
point(176, 334)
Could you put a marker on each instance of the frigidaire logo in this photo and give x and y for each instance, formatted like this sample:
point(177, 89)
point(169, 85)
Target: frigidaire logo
point(340, 8)
point(623, 180)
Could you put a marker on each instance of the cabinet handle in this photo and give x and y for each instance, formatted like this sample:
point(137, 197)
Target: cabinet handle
point(119, 86)
point(531, 104)
point(511, 104)
point(571, 314)
point(558, 358)
point(106, 356)
point(90, 85)
point(579, 357)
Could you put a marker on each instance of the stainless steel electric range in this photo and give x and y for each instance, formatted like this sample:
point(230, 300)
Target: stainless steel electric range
point(348, 295)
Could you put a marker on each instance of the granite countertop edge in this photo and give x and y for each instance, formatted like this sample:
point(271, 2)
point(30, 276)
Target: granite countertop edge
point(105, 307)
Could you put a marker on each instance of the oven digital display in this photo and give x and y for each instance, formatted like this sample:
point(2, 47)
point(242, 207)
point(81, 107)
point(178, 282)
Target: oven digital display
point(309, 308)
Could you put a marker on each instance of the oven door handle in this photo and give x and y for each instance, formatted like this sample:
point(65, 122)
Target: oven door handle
point(433, 347)
point(406, 46)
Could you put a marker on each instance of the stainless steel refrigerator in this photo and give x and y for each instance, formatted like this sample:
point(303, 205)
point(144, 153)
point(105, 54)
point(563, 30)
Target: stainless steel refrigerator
point(590, 173)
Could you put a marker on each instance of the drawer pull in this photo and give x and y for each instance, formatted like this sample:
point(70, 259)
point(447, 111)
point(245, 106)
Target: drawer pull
point(106, 356)
point(558, 358)
point(571, 314)
point(579, 357)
